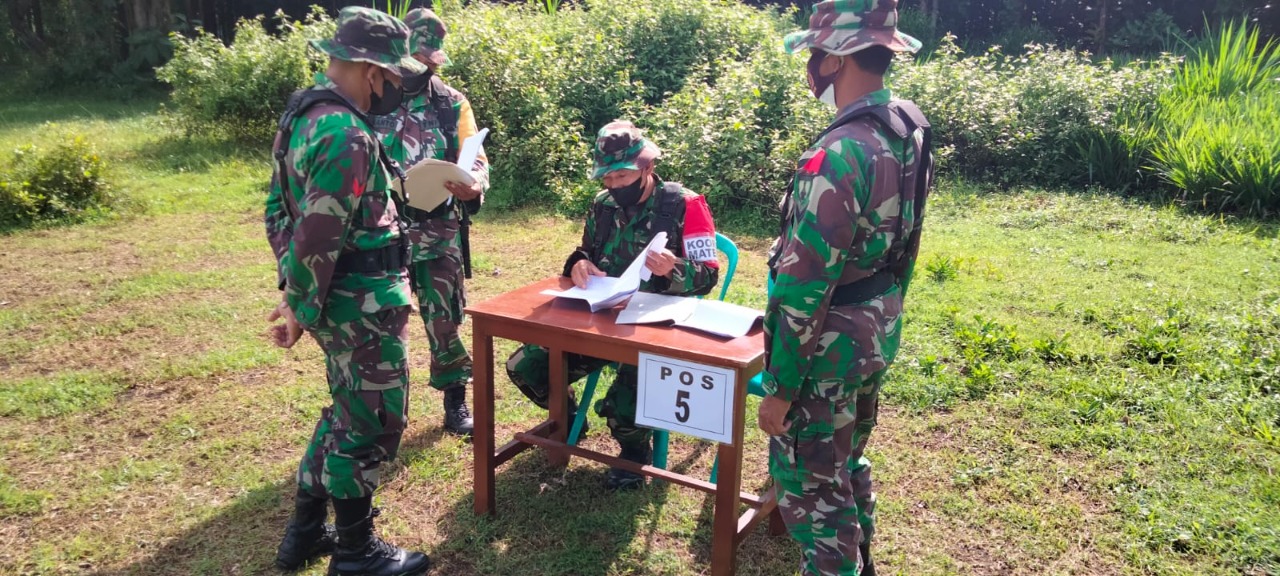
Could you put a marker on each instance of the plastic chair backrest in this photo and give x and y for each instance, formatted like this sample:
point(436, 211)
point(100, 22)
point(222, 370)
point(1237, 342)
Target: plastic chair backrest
point(730, 250)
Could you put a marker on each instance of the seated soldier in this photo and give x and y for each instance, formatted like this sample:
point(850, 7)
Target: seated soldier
point(635, 205)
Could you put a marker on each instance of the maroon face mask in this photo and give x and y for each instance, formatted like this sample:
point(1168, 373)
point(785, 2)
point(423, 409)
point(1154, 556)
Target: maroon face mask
point(822, 86)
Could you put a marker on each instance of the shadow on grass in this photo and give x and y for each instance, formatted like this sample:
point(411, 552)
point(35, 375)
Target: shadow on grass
point(26, 112)
point(177, 153)
point(550, 521)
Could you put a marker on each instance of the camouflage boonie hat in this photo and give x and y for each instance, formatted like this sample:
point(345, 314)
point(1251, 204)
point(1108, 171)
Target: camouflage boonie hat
point(367, 35)
point(842, 27)
point(428, 34)
point(621, 146)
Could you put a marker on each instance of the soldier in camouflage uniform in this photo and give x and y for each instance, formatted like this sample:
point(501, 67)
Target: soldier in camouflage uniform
point(842, 265)
point(342, 262)
point(622, 221)
point(433, 123)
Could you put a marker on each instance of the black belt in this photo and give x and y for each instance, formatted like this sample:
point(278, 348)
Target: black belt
point(391, 258)
point(859, 291)
point(863, 290)
point(419, 215)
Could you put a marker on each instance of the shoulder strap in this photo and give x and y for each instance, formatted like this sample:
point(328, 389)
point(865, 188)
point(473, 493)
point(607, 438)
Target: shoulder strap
point(447, 116)
point(298, 104)
point(668, 207)
point(604, 223)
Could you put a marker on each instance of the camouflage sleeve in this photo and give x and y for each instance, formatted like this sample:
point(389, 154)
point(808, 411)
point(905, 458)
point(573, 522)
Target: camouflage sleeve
point(811, 257)
point(279, 224)
point(696, 273)
point(584, 249)
point(466, 129)
point(339, 165)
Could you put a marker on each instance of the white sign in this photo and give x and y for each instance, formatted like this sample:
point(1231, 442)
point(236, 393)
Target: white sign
point(685, 397)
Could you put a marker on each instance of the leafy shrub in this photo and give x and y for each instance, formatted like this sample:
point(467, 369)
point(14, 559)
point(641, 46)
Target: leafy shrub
point(1027, 118)
point(737, 140)
point(546, 82)
point(241, 90)
point(1153, 33)
point(63, 182)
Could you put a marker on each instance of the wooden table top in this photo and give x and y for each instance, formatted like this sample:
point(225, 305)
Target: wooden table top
point(574, 319)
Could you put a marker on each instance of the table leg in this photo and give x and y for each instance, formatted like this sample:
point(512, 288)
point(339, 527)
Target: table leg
point(482, 437)
point(724, 532)
point(558, 402)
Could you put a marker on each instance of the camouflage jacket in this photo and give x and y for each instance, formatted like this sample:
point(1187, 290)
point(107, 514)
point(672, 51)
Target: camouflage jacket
point(414, 135)
point(850, 191)
point(338, 201)
point(631, 229)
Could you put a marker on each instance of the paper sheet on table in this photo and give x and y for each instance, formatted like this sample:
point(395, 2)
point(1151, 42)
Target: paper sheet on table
point(425, 181)
point(645, 308)
point(604, 292)
point(721, 318)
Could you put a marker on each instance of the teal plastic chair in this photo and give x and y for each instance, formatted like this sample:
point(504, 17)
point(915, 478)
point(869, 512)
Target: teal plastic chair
point(660, 437)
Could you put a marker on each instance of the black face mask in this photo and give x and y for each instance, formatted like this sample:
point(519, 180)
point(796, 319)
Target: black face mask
point(415, 85)
point(630, 194)
point(388, 102)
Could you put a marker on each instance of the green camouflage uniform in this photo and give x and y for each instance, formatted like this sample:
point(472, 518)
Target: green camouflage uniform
point(630, 230)
point(338, 201)
point(852, 189)
point(411, 136)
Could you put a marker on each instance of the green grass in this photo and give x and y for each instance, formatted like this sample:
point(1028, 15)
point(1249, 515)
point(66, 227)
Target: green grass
point(1088, 385)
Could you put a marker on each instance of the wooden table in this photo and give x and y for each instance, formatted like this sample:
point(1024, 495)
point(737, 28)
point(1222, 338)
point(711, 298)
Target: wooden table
point(563, 327)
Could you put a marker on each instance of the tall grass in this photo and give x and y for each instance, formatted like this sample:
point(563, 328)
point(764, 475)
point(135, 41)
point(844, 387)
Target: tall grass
point(1219, 125)
point(1233, 60)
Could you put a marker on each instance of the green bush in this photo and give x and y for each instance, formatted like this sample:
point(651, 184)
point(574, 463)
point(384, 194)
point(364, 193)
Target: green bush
point(737, 140)
point(61, 183)
point(546, 82)
point(1048, 117)
point(241, 90)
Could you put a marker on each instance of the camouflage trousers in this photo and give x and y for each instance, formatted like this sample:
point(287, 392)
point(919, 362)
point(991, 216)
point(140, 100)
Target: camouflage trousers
point(368, 377)
point(437, 282)
point(530, 370)
point(822, 480)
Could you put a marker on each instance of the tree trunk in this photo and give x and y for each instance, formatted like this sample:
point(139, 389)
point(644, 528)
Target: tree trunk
point(23, 22)
point(1102, 26)
point(147, 14)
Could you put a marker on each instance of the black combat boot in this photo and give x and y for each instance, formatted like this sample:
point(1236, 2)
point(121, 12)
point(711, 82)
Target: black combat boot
point(361, 553)
point(457, 417)
point(619, 479)
point(307, 535)
point(868, 569)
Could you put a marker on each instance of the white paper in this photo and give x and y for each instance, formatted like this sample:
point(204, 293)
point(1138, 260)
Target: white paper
point(425, 183)
point(604, 292)
point(471, 148)
point(646, 308)
point(722, 318)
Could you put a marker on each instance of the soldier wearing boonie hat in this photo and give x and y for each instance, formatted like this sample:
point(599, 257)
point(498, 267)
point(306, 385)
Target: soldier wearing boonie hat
point(841, 267)
point(635, 205)
point(434, 122)
point(344, 281)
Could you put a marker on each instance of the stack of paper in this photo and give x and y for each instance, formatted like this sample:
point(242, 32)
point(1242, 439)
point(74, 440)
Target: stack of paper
point(719, 318)
point(425, 181)
point(604, 292)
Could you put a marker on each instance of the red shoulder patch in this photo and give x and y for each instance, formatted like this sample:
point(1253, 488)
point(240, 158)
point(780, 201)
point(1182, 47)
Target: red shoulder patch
point(814, 164)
